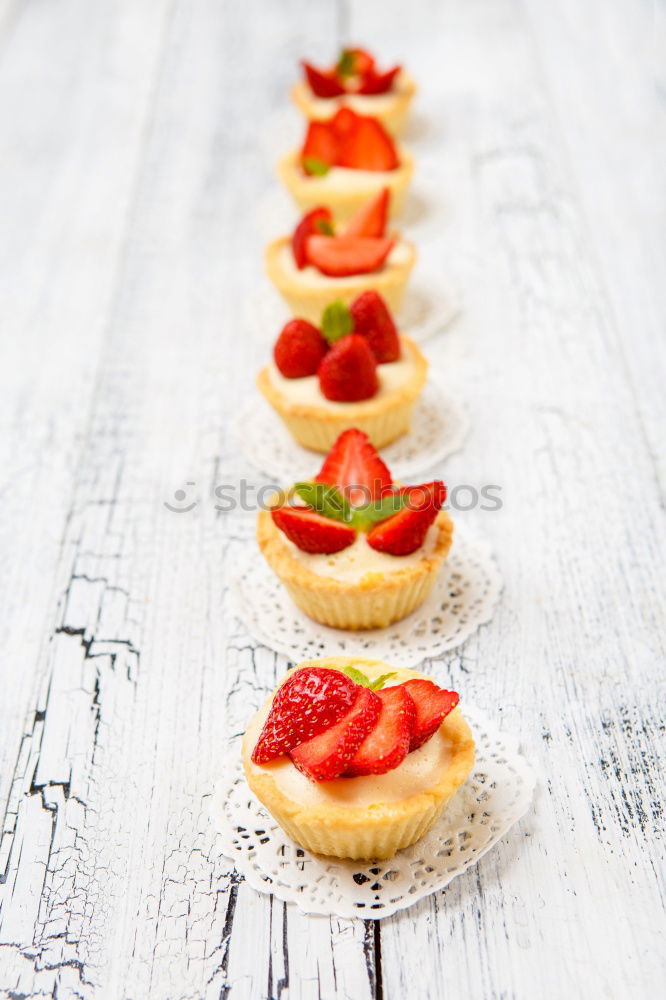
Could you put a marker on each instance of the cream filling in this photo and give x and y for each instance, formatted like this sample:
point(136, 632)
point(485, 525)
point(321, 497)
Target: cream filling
point(419, 772)
point(359, 560)
point(362, 104)
point(306, 391)
point(351, 179)
point(399, 256)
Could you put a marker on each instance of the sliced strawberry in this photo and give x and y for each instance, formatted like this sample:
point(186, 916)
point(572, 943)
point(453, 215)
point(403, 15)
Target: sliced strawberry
point(312, 532)
point(321, 143)
point(342, 123)
point(433, 704)
point(354, 466)
point(322, 84)
point(348, 372)
point(316, 220)
point(299, 349)
point(373, 320)
point(312, 700)
point(327, 755)
point(342, 256)
point(425, 495)
point(388, 743)
point(405, 531)
point(368, 147)
point(373, 82)
point(370, 220)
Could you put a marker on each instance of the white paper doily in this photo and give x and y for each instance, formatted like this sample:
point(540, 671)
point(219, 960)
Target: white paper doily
point(429, 306)
point(463, 598)
point(439, 427)
point(495, 796)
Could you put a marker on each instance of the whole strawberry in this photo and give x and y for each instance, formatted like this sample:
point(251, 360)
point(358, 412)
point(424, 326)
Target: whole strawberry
point(299, 349)
point(373, 320)
point(311, 701)
point(348, 372)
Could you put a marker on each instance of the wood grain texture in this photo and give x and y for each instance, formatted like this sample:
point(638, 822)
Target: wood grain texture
point(135, 147)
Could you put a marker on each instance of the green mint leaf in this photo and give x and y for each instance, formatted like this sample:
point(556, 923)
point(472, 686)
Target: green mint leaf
point(313, 165)
point(346, 63)
point(326, 500)
point(336, 321)
point(357, 676)
point(325, 227)
point(369, 514)
point(379, 683)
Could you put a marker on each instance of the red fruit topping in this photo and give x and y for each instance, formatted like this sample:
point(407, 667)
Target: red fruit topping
point(342, 123)
point(312, 700)
point(370, 220)
point(310, 224)
point(388, 743)
point(405, 531)
point(378, 83)
point(368, 147)
point(322, 84)
point(373, 320)
point(327, 755)
point(425, 495)
point(341, 256)
point(433, 704)
point(321, 143)
point(312, 532)
point(347, 140)
point(354, 462)
point(299, 349)
point(348, 372)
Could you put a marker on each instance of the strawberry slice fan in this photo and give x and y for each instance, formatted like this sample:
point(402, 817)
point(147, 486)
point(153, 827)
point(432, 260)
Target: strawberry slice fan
point(334, 723)
point(342, 161)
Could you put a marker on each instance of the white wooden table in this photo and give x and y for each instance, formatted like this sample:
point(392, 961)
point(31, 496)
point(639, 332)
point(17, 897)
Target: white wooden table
point(133, 156)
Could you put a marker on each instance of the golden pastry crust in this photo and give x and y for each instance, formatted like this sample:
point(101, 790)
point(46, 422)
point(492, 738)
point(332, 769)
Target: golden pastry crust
point(391, 111)
point(378, 830)
point(383, 418)
point(309, 299)
point(345, 199)
point(375, 601)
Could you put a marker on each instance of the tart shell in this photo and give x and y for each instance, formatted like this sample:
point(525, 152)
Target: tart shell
point(391, 112)
point(375, 601)
point(377, 830)
point(310, 299)
point(344, 200)
point(383, 418)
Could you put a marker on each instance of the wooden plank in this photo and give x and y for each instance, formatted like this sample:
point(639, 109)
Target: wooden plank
point(69, 148)
point(114, 851)
point(572, 661)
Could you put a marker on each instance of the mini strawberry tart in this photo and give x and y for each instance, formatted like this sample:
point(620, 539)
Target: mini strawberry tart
point(323, 262)
point(355, 759)
point(353, 549)
point(356, 82)
point(343, 162)
point(356, 371)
